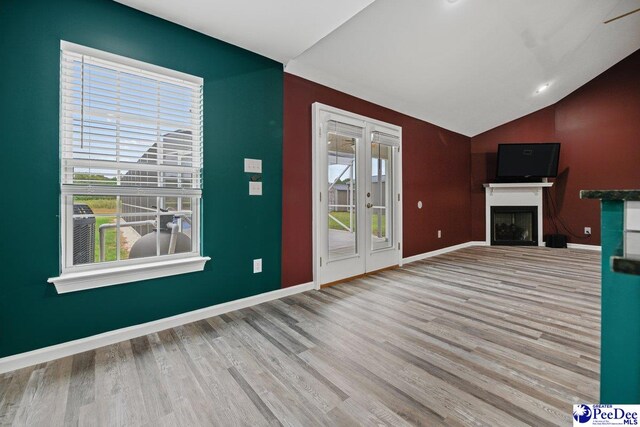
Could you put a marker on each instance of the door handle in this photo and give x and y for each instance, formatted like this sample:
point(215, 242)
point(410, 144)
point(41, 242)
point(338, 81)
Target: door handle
point(369, 205)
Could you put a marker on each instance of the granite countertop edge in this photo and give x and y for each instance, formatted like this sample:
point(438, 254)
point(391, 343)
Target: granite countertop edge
point(633, 195)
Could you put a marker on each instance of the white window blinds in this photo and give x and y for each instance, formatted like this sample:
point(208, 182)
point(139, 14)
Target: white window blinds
point(385, 139)
point(127, 126)
point(344, 129)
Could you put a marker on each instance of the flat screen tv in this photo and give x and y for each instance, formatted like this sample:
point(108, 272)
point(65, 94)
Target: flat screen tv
point(527, 162)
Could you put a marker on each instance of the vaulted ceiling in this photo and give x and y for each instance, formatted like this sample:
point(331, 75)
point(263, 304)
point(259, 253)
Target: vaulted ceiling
point(466, 65)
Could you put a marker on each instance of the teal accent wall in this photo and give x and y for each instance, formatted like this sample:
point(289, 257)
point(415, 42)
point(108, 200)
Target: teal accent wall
point(620, 350)
point(243, 103)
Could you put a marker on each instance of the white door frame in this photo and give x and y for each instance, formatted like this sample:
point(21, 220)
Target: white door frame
point(316, 138)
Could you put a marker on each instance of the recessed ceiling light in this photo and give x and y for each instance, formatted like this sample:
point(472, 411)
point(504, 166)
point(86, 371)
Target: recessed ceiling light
point(542, 88)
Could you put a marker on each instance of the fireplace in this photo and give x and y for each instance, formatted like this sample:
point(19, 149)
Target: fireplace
point(518, 200)
point(514, 225)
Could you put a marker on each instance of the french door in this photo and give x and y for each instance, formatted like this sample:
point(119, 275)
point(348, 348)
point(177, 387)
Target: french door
point(357, 185)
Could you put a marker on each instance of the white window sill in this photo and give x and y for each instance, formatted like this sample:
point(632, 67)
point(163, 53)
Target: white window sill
point(71, 282)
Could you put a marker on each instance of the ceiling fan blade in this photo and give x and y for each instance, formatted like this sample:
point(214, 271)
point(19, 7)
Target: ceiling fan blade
point(621, 16)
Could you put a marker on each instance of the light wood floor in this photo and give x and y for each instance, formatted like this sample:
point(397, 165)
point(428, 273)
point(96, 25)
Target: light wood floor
point(483, 336)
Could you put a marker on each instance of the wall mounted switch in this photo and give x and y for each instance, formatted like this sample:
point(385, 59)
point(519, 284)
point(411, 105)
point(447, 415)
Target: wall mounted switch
point(257, 265)
point(253, 165)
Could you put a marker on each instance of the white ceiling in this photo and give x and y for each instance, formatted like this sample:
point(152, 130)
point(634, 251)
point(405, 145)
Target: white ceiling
point(277, 29)
point(467, 66)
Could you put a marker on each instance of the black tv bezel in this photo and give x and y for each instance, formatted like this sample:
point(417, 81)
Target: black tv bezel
point(526, 176)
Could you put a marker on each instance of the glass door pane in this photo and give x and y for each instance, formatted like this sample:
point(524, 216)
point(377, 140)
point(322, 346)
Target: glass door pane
point(342, 190)
point(381, 199)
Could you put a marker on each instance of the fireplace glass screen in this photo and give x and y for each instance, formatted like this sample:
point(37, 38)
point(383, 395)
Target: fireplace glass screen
point(514, 225)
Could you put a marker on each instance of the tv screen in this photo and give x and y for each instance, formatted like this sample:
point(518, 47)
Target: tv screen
point(527, 161)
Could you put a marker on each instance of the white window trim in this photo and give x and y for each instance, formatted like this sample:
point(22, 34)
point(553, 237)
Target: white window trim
point(82, 277)
point(71, 282)
point(135, 65)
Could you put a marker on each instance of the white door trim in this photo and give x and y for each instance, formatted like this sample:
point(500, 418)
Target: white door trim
point(316, 138)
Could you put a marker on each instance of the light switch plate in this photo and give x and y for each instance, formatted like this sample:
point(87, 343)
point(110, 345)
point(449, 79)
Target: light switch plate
point(257, 265)
point(253, 165)
point(255, 188)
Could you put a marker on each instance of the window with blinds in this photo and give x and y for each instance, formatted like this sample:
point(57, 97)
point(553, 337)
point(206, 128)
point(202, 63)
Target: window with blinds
point(344, 129)
point(134, 127)
point(385, 139)
point(131, 158)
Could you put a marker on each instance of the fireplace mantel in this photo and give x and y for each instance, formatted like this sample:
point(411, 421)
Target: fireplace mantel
point(522, 185)
point(514, 194)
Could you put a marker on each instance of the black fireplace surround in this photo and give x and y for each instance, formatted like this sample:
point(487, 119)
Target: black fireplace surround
point(514, 225)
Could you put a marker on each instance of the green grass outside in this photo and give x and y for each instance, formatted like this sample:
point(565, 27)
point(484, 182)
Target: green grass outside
point(110, 241)
point(98, 204)
point(343, 217)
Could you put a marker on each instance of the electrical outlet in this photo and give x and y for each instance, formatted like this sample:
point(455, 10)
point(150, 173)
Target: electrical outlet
point(255, 188)
point(587, 231)
point(439, 234)
point(257, 265)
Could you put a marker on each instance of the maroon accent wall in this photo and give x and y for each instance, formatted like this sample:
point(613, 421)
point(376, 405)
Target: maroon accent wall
point(536, 127)
point(435, 166)
point(599, 128)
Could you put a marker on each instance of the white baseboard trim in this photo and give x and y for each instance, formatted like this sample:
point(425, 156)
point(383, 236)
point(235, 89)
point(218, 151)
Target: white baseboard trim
point(484, 243)
point(479, 243)
point(46, 354)
point(583, 246)
point(442, 251)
